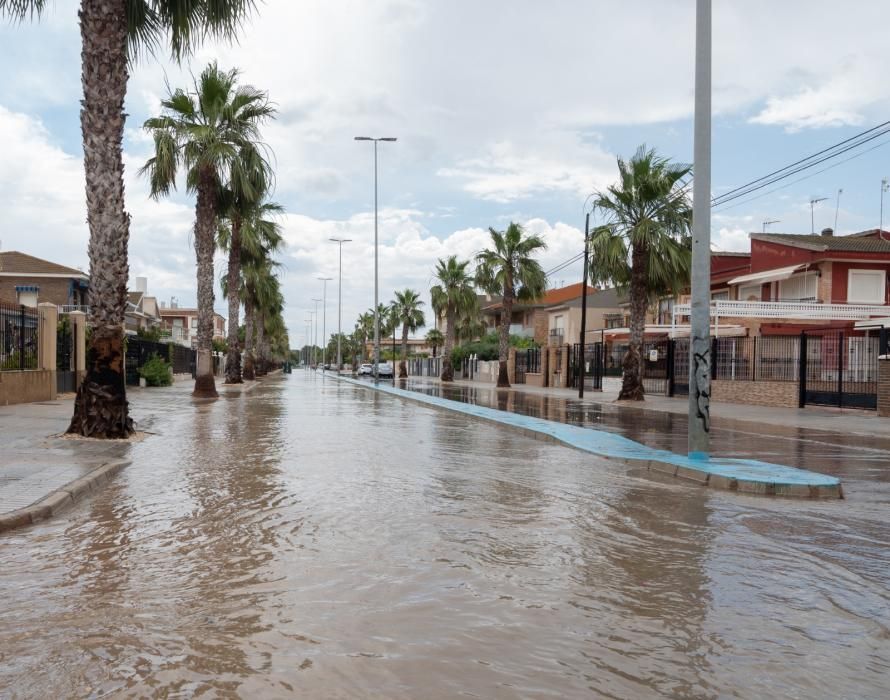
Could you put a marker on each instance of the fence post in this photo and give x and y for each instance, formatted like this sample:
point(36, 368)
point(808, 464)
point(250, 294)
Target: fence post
point(802, 372)
point(840, 370)
point(47, 325)
point(754, 359)
point(713, 357)
point(78, 338)
point(670, 367)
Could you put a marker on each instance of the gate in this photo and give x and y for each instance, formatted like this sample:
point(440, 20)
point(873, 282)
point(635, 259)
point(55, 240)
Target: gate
point(527, 361)
point(594, 366)
point(66, 358)
point(657, 361)
point(839, 368)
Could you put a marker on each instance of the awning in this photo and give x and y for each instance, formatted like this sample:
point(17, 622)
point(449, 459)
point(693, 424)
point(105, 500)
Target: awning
point(780, 273)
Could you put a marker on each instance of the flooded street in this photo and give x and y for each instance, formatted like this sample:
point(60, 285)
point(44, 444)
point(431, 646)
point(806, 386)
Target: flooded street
point(315, 539)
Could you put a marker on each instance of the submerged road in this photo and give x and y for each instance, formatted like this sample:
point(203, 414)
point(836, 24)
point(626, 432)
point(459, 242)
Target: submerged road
point(312, 538)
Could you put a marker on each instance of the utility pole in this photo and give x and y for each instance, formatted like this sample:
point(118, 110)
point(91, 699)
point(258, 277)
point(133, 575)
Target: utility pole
point(700, 316)
point(376, 279)
point(324, 319)
point(813, 202)
point(340, 242)
point(584, 306)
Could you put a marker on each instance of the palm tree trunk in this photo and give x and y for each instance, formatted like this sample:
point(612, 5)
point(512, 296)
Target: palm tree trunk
point(504, 340)
point(403, 365)
point(233, 352)
point(100, 409)
point(447, 369)
point(205, 243)
point(248, 372)
point(632, 382)
point(260, 368)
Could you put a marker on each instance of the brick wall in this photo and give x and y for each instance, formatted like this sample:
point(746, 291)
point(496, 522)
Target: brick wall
point(541, 326)
point(884, 388)
point(53, 290)
point(784, 394)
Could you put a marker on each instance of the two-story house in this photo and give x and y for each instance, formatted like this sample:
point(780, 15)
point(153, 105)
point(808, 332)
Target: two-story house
point(182, 324)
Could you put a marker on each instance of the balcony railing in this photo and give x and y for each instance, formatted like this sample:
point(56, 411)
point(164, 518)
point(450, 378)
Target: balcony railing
point(789, 309)
point(68, 308)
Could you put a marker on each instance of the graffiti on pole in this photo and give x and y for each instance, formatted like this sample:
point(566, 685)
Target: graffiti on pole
point(702, 374)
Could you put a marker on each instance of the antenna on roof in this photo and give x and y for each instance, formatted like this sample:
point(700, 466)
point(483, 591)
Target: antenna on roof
point(837, 206)
point(767, 222)
point(813, 202)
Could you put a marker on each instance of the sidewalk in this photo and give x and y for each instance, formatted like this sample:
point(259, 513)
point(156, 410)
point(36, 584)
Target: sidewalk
point(820, 419)
point(41, 472)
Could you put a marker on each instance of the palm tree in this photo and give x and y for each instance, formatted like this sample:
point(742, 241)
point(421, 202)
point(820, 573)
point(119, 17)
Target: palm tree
point(648, 222)
point(113, 34)
point(470, 324)
point(453, 294)
point(208, 134)
point(509, 269)
point(248, 230)
point(365, 328)
point(258, 273)
point(406, 310)
point(434, 339)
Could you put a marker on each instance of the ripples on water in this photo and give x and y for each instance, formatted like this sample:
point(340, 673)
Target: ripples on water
point(317, 540)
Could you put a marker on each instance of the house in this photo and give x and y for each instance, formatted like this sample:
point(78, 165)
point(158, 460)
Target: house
point(796, 282)
point(416, 346)
point(564, 312)
point(31, 281)
point(142, 312)
point(182, 324)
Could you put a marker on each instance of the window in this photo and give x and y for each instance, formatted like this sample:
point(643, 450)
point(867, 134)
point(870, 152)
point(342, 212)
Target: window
point(665, 311)
point(722, 295)
point(866, 286)
point(750, 293)
point(194, 323)
point(613, 320)
point(799, 288)
point(177, 323)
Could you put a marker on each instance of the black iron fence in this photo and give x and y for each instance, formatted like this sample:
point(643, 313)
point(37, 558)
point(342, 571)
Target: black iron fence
point(840, 368)
point(66, 357)
point(425, 366)
point(18, 337)
point(140, 351)
point(527, 361)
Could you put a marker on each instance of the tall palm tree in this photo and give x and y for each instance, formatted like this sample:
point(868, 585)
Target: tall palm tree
point(257, 273)
point(249, 229)
point(508, 268)
point(113, 34)
point(453, 294)
point(207, 133)
point(365, 328)
point(269, 302)
point(406, 310)
point(470, 324)
point(648, 223)
point(434, 339)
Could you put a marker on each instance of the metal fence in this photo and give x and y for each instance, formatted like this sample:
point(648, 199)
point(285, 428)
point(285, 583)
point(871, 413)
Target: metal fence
point(527, 361)
point(840, 368)
point(66, 357)
point(425, 366)
point(140, 351)
point(18, 337)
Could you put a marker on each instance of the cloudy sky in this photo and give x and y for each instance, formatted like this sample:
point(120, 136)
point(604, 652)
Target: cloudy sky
point(504, 110)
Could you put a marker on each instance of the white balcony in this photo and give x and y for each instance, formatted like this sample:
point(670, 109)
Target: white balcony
point(788, 310)
point(68, 308)
point(522, 331)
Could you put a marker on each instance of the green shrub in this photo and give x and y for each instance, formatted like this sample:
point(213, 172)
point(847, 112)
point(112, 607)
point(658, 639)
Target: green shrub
point(156, 372)
point(12, 361)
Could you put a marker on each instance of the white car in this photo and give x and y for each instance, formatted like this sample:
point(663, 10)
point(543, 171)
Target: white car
point(366, 368)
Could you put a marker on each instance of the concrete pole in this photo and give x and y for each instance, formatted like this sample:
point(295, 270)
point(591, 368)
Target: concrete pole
point(582, 368)
point(376, 302)
point(324, 320)
point(700, 317)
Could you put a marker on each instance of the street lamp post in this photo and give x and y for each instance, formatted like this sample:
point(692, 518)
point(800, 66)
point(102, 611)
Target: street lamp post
point(315, 334)
point(324, 319)
point(581, 367)
point(700, 316)
point(340, 242)
point(884, 187)
point(376, 301)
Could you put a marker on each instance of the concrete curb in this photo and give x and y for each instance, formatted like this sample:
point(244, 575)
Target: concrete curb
point(736, 476)
point(62, 498)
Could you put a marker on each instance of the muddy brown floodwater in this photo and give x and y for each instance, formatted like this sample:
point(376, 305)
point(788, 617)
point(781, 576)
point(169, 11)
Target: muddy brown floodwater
point(315, 539)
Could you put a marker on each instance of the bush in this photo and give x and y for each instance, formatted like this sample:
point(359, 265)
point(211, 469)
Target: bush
point(156, 372)
point(488, 348)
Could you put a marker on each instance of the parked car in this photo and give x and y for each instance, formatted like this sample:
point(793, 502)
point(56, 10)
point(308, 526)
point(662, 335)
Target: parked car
point(386, 369)
point(366, 368)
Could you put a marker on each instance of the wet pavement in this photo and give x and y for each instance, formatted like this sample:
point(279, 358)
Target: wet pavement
point(317, 539)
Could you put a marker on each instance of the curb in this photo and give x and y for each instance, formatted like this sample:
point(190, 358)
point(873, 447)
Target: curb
point(648, 458)
point(61, 498)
